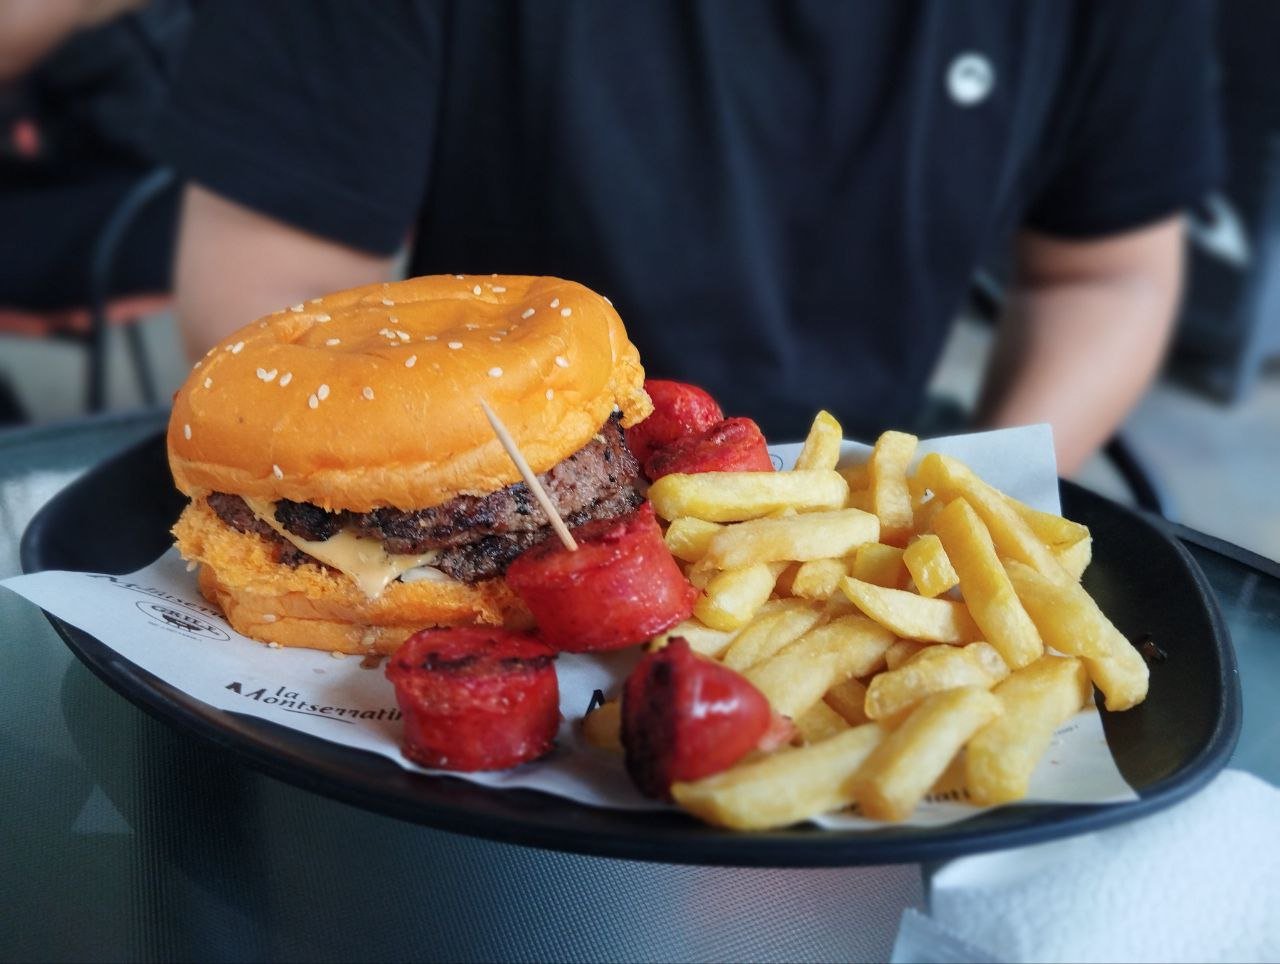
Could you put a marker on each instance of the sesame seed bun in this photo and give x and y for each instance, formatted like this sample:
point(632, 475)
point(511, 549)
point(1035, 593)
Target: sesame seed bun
point(369, 398)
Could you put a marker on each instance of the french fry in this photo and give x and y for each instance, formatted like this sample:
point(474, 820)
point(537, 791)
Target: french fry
point(602, 727)
point(879, 565)
point(702, 639)
point(732, 597)
point(819, 578)
point(902, 768)
point(1037, 699)
point(1123, 676)
point(1067, 617)
point(811, 535)
point(930, 569)
point(860, 499)
point(951, 479)
point(848, 699)
point(768, 633)
point(904, 650)
point(784, 584)
point(858, 476)
point(1053, 530)
point(701, 573)
point(986, 588)
point(736, 496)
point(820, 722)
point(889, 493)
point(687, 538)
point(799, 675)
point(784, 787)
point(1075, 557)
point(910, 616)
point(822, 447)
point(936, 669)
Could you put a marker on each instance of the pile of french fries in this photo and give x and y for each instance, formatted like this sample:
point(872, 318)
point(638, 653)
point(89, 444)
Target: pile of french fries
point(925, 632)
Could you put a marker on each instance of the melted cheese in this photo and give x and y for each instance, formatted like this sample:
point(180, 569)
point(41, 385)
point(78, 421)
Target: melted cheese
point(370, 566)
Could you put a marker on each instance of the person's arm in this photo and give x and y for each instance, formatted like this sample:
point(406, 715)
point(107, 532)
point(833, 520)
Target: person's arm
point(31, 29)
point(1083, 333)
point(234, 265)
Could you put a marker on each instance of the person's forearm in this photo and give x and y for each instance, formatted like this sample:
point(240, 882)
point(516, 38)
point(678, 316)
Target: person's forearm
point(32, 29)
point(1078, 352)
point(234, 265)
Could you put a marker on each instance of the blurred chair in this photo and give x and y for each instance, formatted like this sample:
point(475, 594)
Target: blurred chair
point(1230, 325)
point(89, 325)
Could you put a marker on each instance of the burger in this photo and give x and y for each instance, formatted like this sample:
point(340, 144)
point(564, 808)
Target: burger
point(346, 487)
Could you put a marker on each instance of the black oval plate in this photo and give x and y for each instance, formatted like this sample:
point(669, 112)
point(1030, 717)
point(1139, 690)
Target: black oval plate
point(115, 519)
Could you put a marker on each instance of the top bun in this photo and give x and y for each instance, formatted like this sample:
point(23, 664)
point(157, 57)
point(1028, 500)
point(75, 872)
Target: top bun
point(369, 398)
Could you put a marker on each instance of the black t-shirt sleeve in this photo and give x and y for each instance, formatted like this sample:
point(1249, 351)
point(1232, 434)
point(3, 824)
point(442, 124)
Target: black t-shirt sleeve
point(1136, 136)
point(319, 114)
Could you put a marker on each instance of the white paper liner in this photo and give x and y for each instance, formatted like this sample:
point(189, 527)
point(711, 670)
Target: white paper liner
point(157, 619)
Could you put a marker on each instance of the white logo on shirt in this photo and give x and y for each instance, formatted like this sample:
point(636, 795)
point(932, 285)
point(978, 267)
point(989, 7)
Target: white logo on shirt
point(970, 79)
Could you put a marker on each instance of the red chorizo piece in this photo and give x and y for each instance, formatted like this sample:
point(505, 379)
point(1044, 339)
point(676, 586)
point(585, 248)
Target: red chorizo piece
point(475, 698)
point(620, 587)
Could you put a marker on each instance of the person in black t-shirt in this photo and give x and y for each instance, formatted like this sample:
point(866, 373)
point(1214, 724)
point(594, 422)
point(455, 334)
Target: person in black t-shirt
point(786, 202)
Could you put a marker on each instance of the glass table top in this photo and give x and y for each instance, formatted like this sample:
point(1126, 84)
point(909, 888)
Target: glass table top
point(126, 839)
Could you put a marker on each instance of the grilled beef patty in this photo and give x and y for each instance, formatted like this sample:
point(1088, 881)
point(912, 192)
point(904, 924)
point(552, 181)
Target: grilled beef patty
point(479, 535)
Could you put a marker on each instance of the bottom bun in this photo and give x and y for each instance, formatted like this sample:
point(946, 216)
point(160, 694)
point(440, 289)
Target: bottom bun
point(315, 607)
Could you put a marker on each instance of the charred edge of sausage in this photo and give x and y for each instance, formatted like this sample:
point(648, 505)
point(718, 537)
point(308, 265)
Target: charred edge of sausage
point(435, 663)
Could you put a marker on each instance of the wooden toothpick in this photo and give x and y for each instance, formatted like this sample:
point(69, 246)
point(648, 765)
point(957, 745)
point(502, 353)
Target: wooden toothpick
point(530, 479)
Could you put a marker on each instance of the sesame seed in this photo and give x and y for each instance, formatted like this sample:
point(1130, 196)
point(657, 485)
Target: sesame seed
point(458, 276)
point(411, 361)
point(495, 372)
point(237, 347)
point(192, 566)
point(367, 392)
point(386, 333)
point(475, 290)
point(566, 312)
point(607, 301)
point(388, 302)
point(555, 302)
point(470, 327)
point(208, 383)
point(186, 431)
point(197, 364)
point(431, 338)
point(498, 289)
point(313, 402)
point(297, 307)
point(273, 645)
point(455, 345)
point(268, 617)
point(393, 319)
point(333, 341)
point(562, 361)
point(277, 472)
point(285, 379)
point(315, 301)
point(527, 313)
point(322, 392)
point(551, 393)
point(402, 335)
point(323, 318)
point(495, 338)
point(337, 655)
